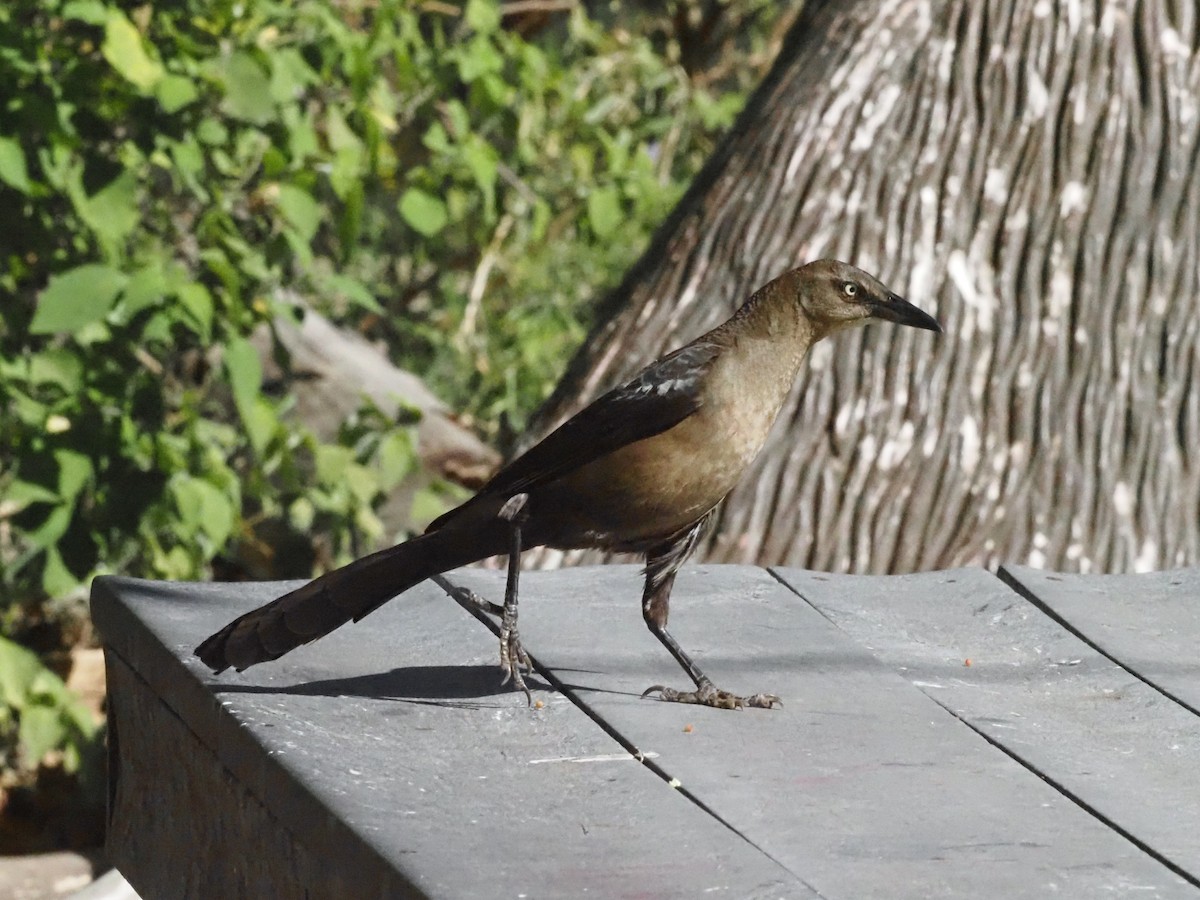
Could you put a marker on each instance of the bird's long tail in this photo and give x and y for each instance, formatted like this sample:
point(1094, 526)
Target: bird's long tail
point(351, 592)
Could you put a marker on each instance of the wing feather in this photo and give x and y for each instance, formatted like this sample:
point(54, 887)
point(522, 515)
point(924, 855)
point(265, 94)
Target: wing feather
point(659, 398)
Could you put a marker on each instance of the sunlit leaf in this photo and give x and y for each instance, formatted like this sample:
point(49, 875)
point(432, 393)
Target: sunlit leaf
point(244, 370)
point(112, 211)
point(12, 165)
point(247, 89)
point(76, 298)
point(204, 508)
point(174, 92)
point(482, 15)
point(300, 210)
point(74, 472)
point(18, 669)
point(424, 212)
point(604, 211)
point(125, 51)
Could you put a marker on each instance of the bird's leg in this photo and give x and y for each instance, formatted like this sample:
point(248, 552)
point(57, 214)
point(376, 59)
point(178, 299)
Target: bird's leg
point(512, 655)
point(662, 563)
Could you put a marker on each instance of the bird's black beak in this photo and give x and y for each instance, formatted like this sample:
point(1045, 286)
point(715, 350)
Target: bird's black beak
point(896, 309)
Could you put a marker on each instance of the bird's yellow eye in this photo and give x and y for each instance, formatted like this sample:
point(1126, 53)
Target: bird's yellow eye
point(849, 288)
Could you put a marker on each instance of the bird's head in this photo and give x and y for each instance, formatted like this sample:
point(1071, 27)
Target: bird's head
point(835, 295)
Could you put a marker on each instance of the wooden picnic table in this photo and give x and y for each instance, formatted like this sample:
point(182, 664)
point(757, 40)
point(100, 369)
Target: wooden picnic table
point(948, 734)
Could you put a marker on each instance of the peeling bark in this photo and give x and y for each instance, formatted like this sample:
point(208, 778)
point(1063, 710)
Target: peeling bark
point(1027, 170)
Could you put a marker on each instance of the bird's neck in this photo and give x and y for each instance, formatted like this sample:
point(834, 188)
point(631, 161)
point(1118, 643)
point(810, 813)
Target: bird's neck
point(773, 315)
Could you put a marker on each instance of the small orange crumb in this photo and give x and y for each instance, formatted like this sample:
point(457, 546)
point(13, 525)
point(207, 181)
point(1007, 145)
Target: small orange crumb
point(967, 662)
point(687, 729)
point(538, 705)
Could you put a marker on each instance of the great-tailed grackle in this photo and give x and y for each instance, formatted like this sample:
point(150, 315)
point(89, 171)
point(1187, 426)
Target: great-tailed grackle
point(640, 470)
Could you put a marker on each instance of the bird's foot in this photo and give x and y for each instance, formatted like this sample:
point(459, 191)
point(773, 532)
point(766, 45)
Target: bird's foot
point(709, 694)
point(513, 658)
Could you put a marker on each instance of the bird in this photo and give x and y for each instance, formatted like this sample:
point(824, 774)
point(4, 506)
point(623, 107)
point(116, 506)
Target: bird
point(642, 469)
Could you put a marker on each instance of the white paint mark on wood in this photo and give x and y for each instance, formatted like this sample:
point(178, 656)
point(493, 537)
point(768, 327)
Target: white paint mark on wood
point(1074, 198)
point(868, 449)
point(1172, 45)
point(875, 113)
point(958, 267)
point(995, 185)
point(1122, 499)
point(1037, 100)
point(1147, 558)
point(1058, 301)
point(969, 454)
point(894, 450)
point(931, 442)
point(601, 758)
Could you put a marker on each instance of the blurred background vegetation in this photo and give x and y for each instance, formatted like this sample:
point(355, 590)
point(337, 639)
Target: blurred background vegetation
point(457, 181)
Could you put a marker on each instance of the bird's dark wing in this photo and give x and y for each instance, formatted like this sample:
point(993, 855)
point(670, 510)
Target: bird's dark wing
point(660, 397)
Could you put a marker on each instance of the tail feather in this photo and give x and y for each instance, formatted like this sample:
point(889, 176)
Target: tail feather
point(351, 592)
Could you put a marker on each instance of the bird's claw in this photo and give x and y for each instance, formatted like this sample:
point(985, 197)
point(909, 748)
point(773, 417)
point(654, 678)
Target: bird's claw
point(513, 659)
point(710, 695)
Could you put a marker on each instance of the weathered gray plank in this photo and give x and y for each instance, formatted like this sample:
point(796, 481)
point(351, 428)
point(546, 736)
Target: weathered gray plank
point(391, 745)
point(181, 826)
point(861, 785)
point(1035, 688)
point(1149, 623)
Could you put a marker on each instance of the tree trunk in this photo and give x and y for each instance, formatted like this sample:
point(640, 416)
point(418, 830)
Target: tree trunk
point(1027, 170)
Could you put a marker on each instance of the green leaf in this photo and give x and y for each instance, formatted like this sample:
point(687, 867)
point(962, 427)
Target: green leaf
point(204, 508)
point(59, 367)
point(212, 131)
point(483, 16)
point(19, 668)
point(478, 59)
point(424, 212)
point(332, 462)
point(245, 378)
point(245, 372)
point(146, 287)
point(74, 472)
point(126, 52)
point(23, 493)
point(604, 211)
point(53, 527)
point(396, 458)
point(482, 160)
point(91, 11)
point(247, 89)
point(261, 423)
point(12, 165)
point(362, 482)
point(41, 730)
point(198, 304)
point(175, 92)
point(290, 75)
point(113, 212)
point(57, 579)
point(351, 289)
point(300, 210)
point(302, 514)
point(77, 298)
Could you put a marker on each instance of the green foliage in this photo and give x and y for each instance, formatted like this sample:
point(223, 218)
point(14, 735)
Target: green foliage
point(38, 714)
point(173, 176)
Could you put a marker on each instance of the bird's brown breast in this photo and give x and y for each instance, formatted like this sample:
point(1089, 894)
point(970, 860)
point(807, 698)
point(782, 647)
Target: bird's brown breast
point(654, 488)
